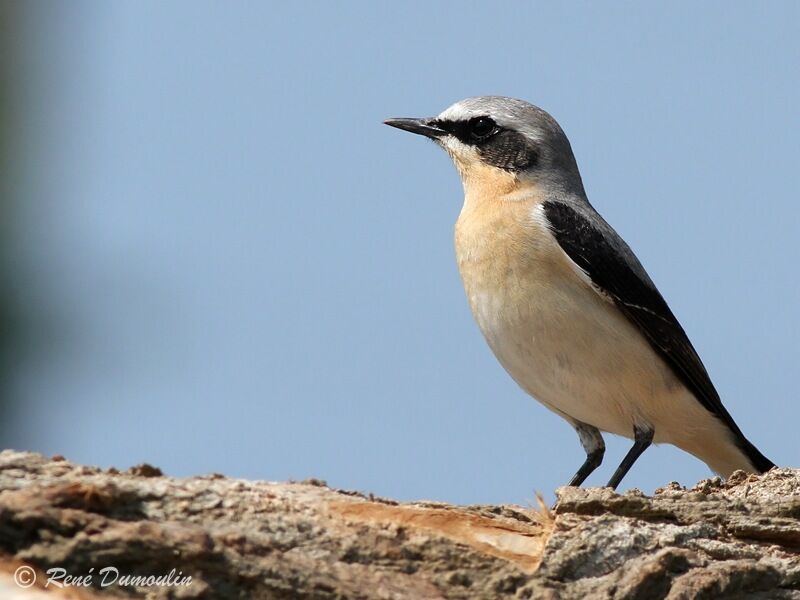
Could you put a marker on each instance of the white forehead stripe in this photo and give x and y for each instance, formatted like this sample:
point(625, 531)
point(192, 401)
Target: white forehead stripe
point(459, 112)
point(507, 112)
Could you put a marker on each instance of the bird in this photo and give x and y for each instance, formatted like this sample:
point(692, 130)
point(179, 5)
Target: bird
point(562, 301)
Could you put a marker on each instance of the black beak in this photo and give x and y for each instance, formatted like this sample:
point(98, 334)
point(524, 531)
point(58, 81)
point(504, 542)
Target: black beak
point(421, 126)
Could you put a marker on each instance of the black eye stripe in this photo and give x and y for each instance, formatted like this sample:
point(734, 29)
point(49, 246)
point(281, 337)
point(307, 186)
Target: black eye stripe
point(472, 131)
point(496, 145)
point(509, 150)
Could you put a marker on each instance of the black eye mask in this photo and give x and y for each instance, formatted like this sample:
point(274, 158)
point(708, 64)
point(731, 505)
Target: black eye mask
point(508, 150)
point(497, 146)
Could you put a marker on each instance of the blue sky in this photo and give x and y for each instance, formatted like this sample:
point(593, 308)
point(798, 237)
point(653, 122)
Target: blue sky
point(244, 271)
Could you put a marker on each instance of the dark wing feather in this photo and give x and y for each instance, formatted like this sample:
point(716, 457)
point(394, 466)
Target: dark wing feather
point(597, 249)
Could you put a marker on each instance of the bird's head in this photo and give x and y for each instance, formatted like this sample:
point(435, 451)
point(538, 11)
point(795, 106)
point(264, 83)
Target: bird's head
point(503, 143)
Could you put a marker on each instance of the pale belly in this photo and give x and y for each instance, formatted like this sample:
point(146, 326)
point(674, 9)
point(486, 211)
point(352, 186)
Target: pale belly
point(570, 347)
point(583, 360)
point(577, 355)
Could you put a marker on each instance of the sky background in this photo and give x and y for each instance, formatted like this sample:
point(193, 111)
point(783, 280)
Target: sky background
point(237, 268)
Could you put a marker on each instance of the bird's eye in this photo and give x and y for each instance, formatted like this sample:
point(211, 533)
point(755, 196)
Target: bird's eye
point(481, 127)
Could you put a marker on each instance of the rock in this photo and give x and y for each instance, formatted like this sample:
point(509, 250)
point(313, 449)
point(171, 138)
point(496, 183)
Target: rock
point(137, 534)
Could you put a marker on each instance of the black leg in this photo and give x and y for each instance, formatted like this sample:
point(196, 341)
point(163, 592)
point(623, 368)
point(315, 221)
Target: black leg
point(592, 442)
point(642, 438)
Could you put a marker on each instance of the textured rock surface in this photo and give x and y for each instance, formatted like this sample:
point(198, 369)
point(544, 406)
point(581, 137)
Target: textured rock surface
point(245, 539)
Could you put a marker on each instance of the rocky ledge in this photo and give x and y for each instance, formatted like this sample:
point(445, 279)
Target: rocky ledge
point(71, 531)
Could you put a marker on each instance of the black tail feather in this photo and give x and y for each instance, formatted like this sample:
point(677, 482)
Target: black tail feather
point(760, 462)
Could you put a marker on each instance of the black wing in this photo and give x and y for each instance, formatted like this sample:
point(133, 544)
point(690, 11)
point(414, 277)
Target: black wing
point(597, 249)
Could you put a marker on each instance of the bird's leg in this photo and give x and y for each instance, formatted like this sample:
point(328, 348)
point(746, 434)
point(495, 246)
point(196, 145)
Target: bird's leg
point(642, 438)
point(592, 442)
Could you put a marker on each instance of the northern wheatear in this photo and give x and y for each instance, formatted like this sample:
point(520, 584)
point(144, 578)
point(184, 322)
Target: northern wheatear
point(563, 302)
